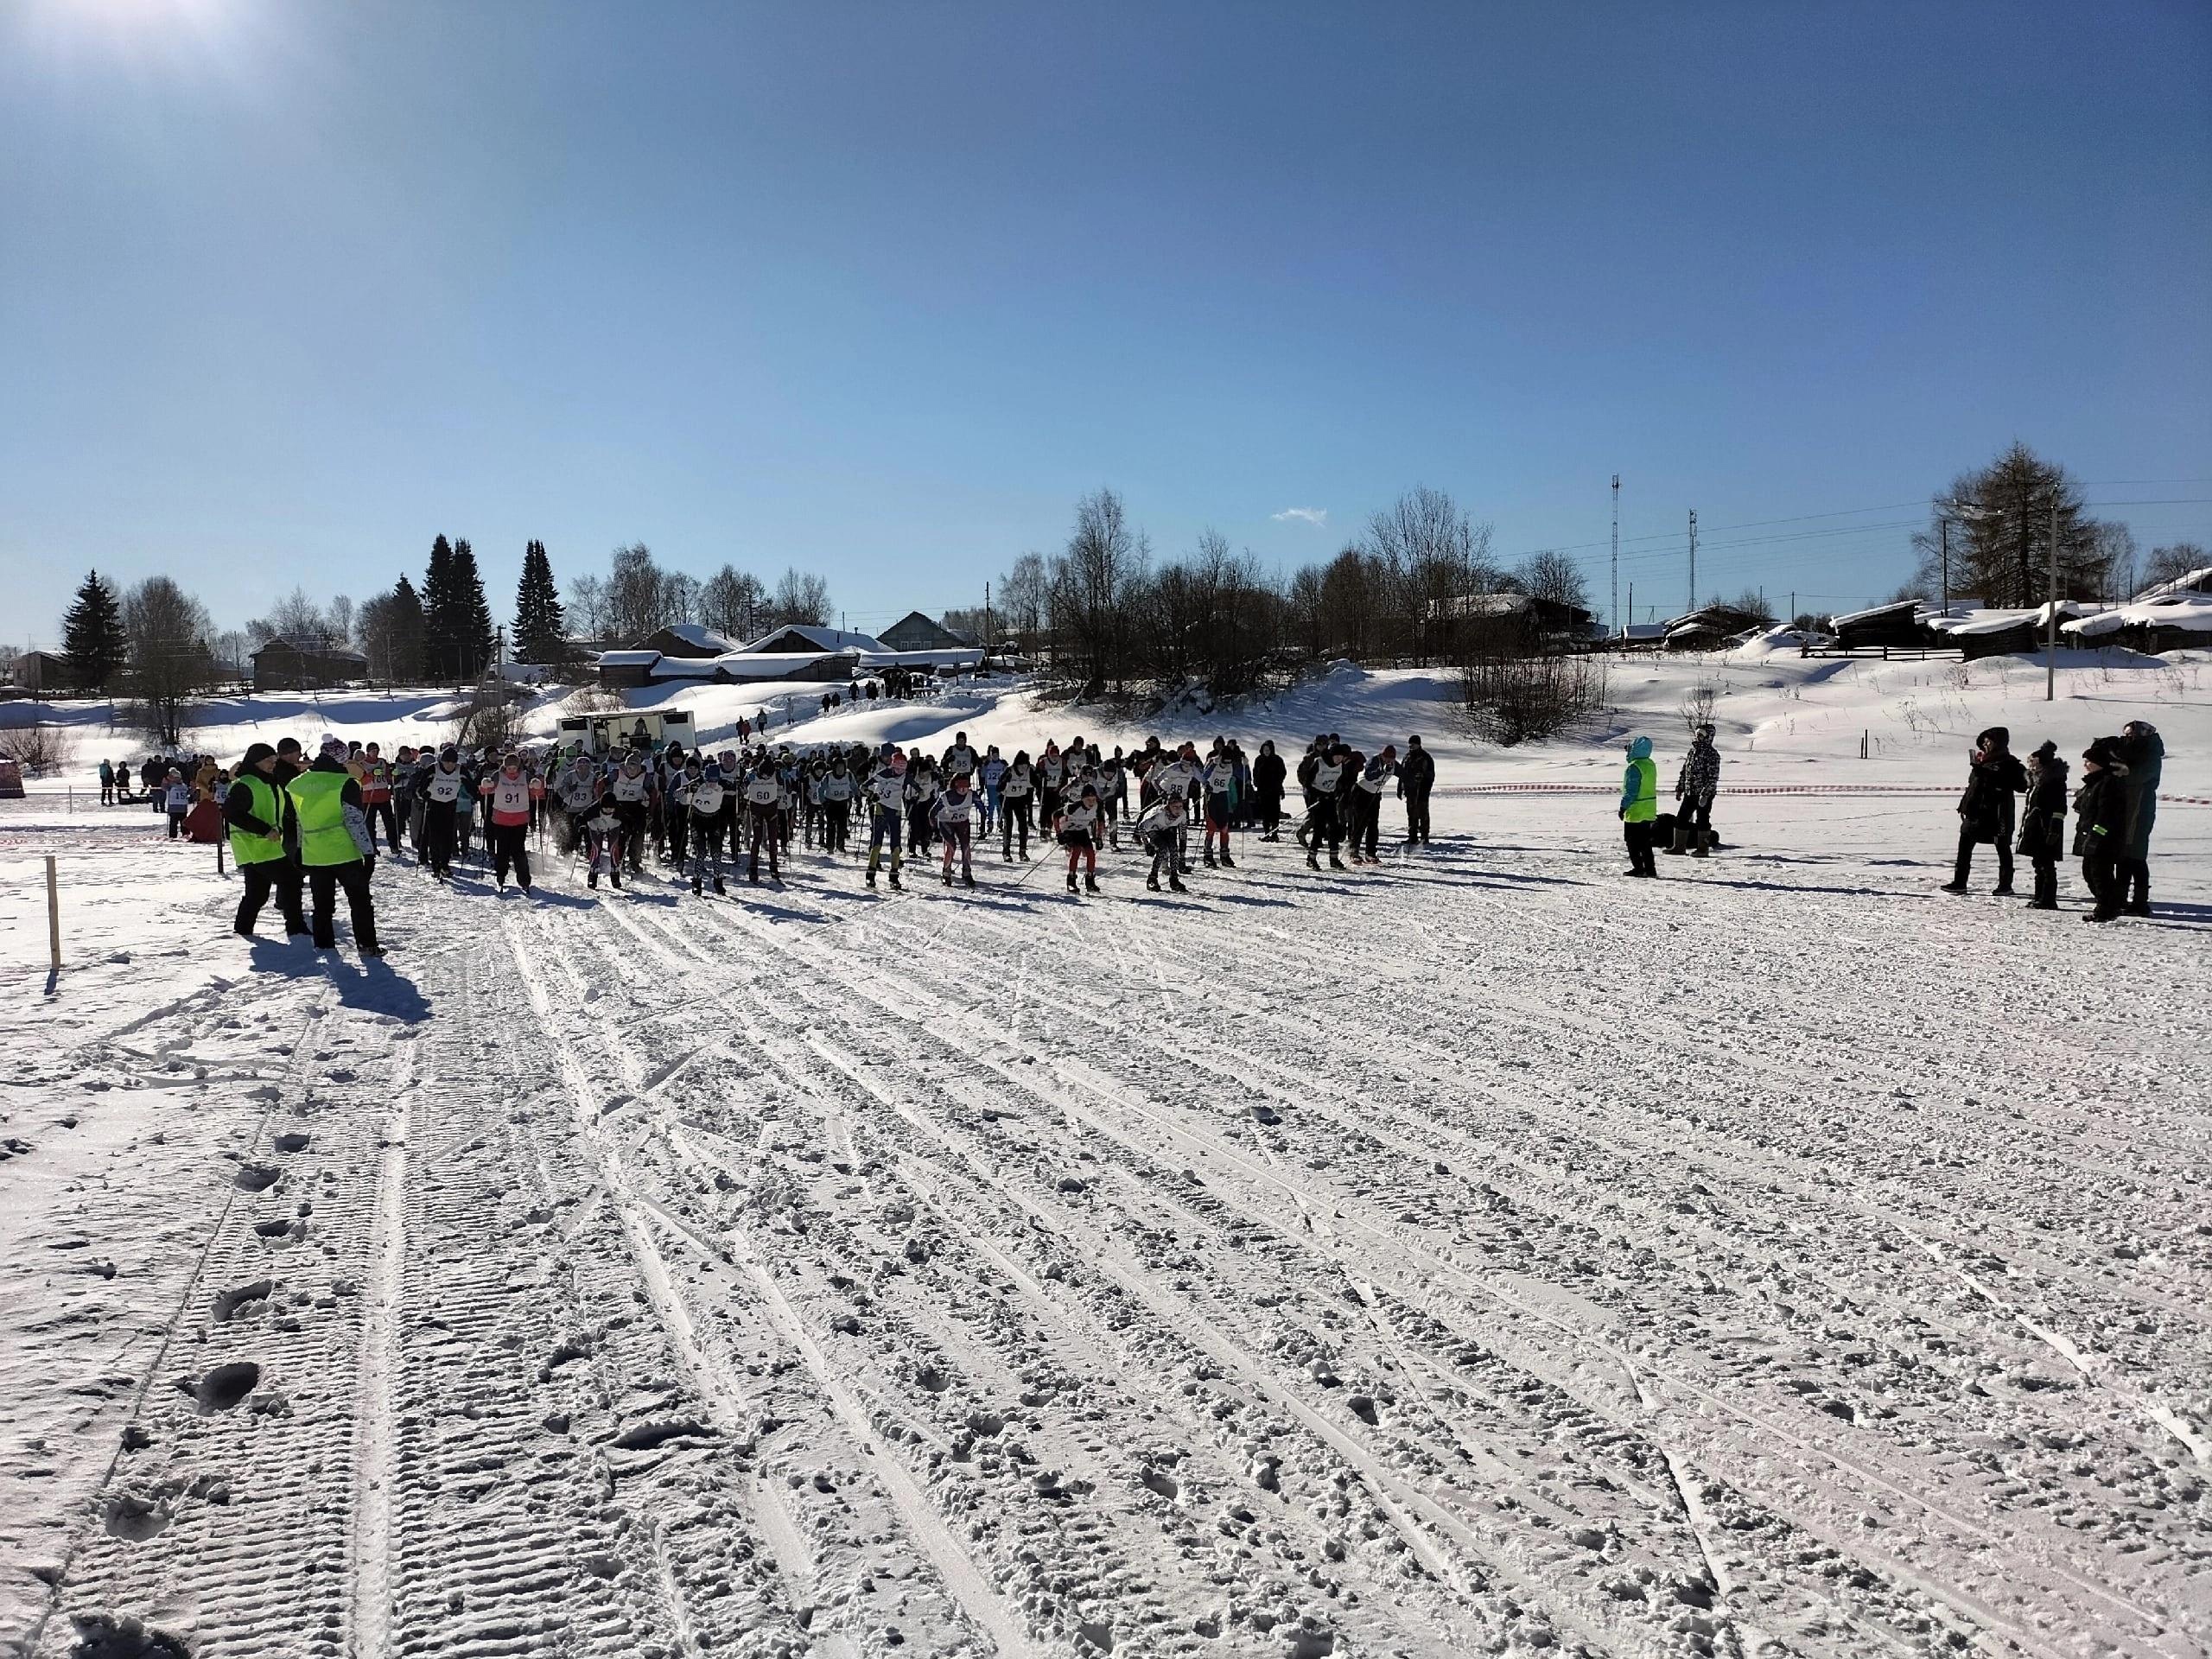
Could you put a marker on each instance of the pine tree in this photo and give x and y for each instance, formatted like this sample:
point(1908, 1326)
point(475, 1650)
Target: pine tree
point(93, 635)
point(439, 659)
point(541, 630)
point(472, 612)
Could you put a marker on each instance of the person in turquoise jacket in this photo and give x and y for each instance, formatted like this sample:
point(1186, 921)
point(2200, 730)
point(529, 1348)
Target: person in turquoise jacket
point(1639, 807)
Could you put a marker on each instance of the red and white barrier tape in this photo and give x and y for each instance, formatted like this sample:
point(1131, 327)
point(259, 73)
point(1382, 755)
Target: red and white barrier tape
point(1760, 789)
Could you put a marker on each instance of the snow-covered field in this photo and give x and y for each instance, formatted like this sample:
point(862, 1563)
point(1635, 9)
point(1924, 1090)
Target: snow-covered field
point(1477, 1252)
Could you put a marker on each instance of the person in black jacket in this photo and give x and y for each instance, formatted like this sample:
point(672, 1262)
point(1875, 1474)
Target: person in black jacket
point(2101, 825)
point(2043, 824)
point(2143, 751)
point(1268, 775)
point(1994, 776)
point(1416, 776)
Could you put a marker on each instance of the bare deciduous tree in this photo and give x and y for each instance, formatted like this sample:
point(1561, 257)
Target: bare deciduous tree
point(2171, 563)
point(802, 599)
point(732, 602)
point(171, 661)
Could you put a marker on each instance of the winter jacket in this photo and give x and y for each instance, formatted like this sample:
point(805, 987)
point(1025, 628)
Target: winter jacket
point(1986, 807)
point(2042, 816)
point(1699, 776)
point(2101, 813)
point(1417, 772)
point(1639, 785)
point(2144, 757)
point(1267, 773)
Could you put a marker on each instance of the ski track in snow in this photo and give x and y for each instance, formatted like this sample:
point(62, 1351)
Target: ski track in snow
point(1458, 1256)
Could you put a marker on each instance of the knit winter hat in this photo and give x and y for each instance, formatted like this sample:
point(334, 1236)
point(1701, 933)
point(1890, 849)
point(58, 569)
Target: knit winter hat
point(2101, 753)
point(257, 753)
point(333, 747)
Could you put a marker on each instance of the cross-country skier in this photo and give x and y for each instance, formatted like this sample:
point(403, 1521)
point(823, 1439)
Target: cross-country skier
point(886, 790)
point(1367, 804)
point(447, 802)
point(508, 790)
point(764, 805)
point(1218, 781)
point(1158, 832)
point(1075, 828)
point(954, 816)
point(1016, 793)
point(632, 790)
point(703, 803)
point(836, 790)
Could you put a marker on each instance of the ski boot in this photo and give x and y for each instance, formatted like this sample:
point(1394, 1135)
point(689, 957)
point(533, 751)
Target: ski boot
point(592, 881)
point(1208, 857)
point(1336, 863)
point(1175, 883)
point(719, 887)
point(1227, 862)
point(1070, 881)
point(1312, 859)
point(895, 885)
point(1090, 883)
point(697, 887)
point(871, 875)
point(967, 879)
point(1152, 884)
point(948, 875)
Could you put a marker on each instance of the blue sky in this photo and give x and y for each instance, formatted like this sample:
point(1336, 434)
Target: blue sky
point(286, 288)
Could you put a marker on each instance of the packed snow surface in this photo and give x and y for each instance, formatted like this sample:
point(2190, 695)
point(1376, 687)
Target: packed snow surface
point(1476, 1252)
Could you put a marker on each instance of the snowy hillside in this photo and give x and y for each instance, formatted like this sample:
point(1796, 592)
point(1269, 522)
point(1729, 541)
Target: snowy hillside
point(1474, 1252)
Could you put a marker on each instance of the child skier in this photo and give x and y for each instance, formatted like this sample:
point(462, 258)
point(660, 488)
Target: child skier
point(1075, 828)
point(1158, 831)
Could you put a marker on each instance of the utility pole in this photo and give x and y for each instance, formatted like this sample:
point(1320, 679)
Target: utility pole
point(1617, 552)
point(1944, 537)
point(2051, 662)
point(986, 620)
point(1692, 558)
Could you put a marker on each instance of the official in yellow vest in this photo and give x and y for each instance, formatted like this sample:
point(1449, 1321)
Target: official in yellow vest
point(1640, 807)
point(255, 812)
point(335, 846)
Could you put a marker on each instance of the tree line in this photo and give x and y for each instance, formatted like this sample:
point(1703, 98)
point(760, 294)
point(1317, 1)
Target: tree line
point(1104, 616)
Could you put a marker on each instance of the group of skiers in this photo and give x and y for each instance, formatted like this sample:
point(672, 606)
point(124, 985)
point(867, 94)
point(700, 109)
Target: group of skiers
point(297, 824)
point(2114, 811)
point(690, 808)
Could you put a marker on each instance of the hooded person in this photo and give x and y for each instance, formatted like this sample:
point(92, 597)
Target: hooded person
point(1268, 775)
point(2143, 751)
point(2043, 824)
point(335, 848)
point(255, 810)
point(1695, 785)
point(1639, 807)
point(1367, 804)
point(2101, 826)
point(835, 790)
point(1994, 776)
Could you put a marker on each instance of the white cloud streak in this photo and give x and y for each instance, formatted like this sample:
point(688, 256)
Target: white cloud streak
point(1316, 516)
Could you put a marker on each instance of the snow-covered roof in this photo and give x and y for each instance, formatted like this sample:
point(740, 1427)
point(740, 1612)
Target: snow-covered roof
point(2196, 581)
point(699, 634)
point(2001, 622)
point(1849, 617)
point(962, 656)
point(628, 658)
point(820, 639)
point(1641, 630)
point(2191, 612)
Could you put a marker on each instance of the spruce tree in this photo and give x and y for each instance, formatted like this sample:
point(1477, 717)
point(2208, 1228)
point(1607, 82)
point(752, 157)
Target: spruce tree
point(439, 659)
point(472, 612)
point(541, 630)
point(92, 636)
point(407, 648)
